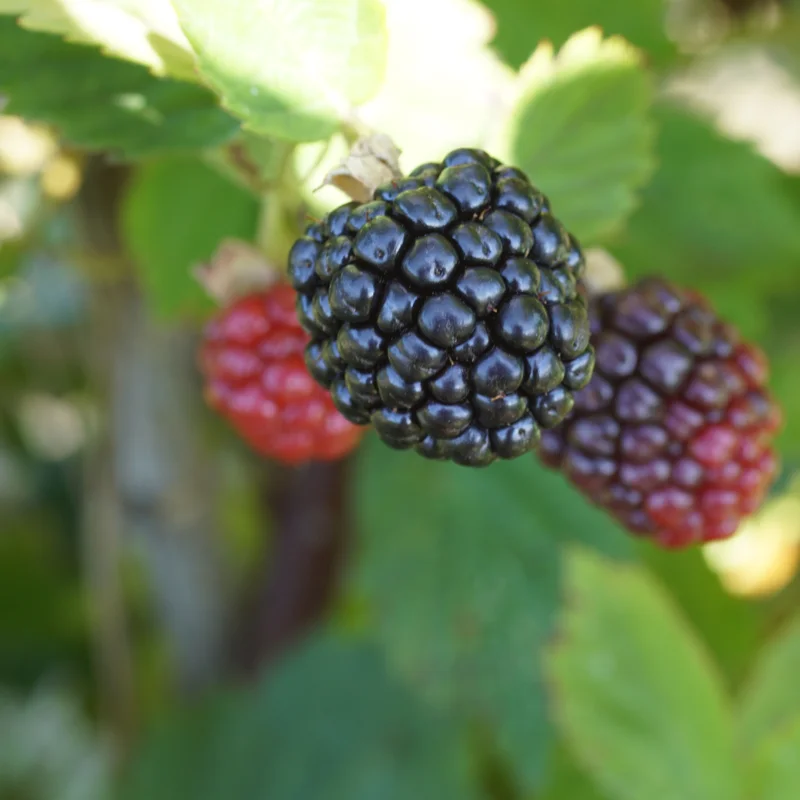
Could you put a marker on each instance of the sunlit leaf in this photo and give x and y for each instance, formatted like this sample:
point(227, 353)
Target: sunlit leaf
point(144, 31)
point(522, 25)
point(289, 68)
point(103, 103)
point(580, 129)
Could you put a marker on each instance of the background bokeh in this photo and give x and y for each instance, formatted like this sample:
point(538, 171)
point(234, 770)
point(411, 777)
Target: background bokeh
point(181, 619)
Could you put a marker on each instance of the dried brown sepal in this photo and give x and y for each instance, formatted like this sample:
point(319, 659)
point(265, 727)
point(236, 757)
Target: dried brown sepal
point(236, 269)
point(372, 161)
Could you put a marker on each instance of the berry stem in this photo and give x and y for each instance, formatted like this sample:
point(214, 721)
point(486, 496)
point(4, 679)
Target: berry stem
point(282, 209)
point(278, 225)
point(300, 574)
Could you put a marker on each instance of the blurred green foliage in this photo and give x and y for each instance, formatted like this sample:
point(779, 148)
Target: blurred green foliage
point(581, 127)
point(446, 554)
point(102, 103)
point(521, 25)
point(322, 55)
point(494, 636)
point(159, 224)
point(331, 721)
point(708, 212)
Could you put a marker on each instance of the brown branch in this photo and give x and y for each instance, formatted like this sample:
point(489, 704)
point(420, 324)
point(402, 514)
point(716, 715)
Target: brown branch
point(101, 532)
point(742, 7)
point(301, 570)
point(149, 484)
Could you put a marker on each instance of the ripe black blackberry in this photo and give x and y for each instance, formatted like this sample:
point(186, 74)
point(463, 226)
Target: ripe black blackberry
point(673, 433)
point(446, 311)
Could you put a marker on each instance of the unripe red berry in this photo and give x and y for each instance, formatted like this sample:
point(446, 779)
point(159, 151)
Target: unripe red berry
point(252, 360)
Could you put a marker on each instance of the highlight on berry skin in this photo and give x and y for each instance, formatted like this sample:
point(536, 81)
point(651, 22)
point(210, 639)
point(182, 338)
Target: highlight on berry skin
point(446, 311)
point(252, 360)
point(673, 434)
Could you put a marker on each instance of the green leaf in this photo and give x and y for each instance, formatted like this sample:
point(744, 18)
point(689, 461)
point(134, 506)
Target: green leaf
point(580, 129)
point(329, 722)
point(291, 69)
point(460, 569)
point(637, 698)
point(729, 626)
point(521, 25)
point(785, 383)
point(715, 214)
point(103, 103)
point(567, 781)
point(176, 213)
point(775, 768)
point(49, 626)
point(144, 31)
point(771, 697)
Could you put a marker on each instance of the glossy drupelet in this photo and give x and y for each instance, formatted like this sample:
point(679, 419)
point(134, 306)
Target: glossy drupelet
point(445, 312)
point(672, 435)
point(252, 359)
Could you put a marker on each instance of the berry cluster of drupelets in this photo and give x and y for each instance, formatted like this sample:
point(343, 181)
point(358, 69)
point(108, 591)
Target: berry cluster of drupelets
point(449, 313)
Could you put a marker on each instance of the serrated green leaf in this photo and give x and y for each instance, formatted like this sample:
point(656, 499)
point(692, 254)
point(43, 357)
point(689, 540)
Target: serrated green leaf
point(774, 772)
point(771, 697)
point(580, 130)
point(567, 781)
point(143, 31)
point(729, 626)
point(715, 213)
point(521, 25)
point(329, 722)
point(291, 69)
point(103, 103)
point(176, 213)
point(636, 696)
point(460, 568)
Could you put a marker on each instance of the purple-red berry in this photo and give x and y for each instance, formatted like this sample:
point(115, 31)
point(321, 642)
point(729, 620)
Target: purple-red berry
point(673, 433)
